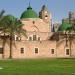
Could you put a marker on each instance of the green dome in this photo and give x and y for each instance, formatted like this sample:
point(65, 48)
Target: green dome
point(64, 26)
point(29, 13)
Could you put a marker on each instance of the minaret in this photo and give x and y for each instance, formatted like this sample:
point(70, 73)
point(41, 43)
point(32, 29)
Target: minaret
point(71, 17)
point(46, 16)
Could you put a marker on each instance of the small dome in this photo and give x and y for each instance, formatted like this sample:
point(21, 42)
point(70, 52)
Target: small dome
point(64, 26)
point(29, 13)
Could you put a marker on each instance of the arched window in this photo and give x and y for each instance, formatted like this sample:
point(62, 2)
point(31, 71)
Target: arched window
point(52, 51)
point(67, 51)
point(30, 38)
point(22, 50)
point(18, 38)
point(38, 38)
point(34, 38)
point(36, 50)
point(1, 50)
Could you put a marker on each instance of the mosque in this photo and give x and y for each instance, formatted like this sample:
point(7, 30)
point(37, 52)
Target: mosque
point(40, 42)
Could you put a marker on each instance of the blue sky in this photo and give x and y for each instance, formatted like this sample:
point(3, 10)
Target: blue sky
point(58, 8)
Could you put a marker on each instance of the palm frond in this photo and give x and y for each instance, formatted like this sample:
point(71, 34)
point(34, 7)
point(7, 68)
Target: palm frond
point(1, 13)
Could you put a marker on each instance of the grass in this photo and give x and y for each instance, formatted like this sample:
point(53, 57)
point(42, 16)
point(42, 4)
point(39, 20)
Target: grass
point(38, 67)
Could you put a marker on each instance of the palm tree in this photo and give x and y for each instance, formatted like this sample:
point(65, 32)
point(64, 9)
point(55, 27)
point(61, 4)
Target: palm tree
point(61, 37)
point(71, 36)
point(68, 36)
point(62, 33)
point(14, 28)
point(2, 30)
point(10, 27)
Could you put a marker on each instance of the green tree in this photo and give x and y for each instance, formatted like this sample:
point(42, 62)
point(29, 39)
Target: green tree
point(11, 27)
point(71, 35)
point(2, 30)
point(67, 35)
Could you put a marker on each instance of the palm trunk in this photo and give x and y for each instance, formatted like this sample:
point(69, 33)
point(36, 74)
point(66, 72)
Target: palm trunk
point(3, 45)
point(66, 40)
point(70, 43)
point(70, 47)
point(10, 47)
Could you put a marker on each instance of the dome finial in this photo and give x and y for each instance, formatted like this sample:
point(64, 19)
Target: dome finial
point(44, 7)
point(29, 7)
